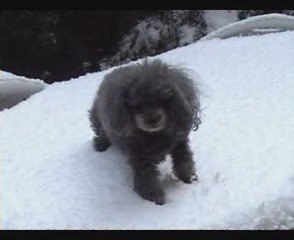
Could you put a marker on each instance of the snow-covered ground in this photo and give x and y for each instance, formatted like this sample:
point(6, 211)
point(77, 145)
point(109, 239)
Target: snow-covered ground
point(14, 89)
point(51, 177)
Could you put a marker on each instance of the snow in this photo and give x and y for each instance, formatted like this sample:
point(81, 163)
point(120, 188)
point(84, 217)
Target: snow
point(216, 19)
point(186, 34)
point(51, 177)
point(270, 22)
point(156, 34)
point(14, 89)
point(173, 28)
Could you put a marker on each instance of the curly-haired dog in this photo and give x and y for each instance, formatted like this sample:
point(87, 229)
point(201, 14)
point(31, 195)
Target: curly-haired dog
point(147, 110)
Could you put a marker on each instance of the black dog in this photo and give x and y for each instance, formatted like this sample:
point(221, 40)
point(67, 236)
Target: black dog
point(147, 110)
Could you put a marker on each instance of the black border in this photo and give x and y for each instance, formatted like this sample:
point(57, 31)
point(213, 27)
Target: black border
point(147, 4)
point(149, 234)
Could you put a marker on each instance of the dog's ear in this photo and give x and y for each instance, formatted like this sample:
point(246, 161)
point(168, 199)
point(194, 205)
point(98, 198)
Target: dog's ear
point(186, 105)
point(118, 117)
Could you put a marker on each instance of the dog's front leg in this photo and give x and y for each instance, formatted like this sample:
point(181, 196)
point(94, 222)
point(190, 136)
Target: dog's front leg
point(101, 143)
point(183, 164)
point(146, 182)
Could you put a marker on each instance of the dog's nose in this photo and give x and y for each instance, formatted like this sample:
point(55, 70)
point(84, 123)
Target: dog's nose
point(153, 119)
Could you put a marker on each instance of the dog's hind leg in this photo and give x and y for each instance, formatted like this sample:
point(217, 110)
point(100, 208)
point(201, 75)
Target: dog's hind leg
point(100, 142)
point(183, 164)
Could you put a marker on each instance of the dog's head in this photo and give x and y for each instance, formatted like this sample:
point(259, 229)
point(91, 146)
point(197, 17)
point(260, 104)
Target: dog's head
point(148, 100)
point(155, 97)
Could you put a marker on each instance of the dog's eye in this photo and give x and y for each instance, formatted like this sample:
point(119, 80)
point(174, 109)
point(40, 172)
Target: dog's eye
point(168, 96)
point(132, 104)
point(167, 93)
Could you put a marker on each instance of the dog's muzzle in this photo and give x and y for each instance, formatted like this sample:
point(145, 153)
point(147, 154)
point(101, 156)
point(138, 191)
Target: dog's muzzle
point(151, 121)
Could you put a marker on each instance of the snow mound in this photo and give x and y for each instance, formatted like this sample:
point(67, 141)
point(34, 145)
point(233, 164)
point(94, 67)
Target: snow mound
point(254, 25)
point(14, 89)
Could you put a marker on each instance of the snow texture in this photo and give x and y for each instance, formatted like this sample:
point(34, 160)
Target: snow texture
point(216, 19)
point(51, 177)
point(15, 90)
point(264, 23)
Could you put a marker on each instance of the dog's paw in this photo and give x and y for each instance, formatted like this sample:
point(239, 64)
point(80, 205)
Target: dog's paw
point(185, 171)
point(153, 194)
point(101, 143)
point(189, 179)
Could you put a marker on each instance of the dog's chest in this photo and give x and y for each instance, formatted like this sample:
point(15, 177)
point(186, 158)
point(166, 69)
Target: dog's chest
point(153, 144)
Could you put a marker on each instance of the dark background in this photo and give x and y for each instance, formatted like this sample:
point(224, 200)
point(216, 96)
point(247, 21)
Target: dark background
point(62, 44)
point(59, 45)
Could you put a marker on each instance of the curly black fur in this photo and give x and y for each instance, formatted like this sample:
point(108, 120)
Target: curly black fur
point(148, 110)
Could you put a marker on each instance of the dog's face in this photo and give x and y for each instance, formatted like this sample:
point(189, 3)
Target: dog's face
point(148, 103)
